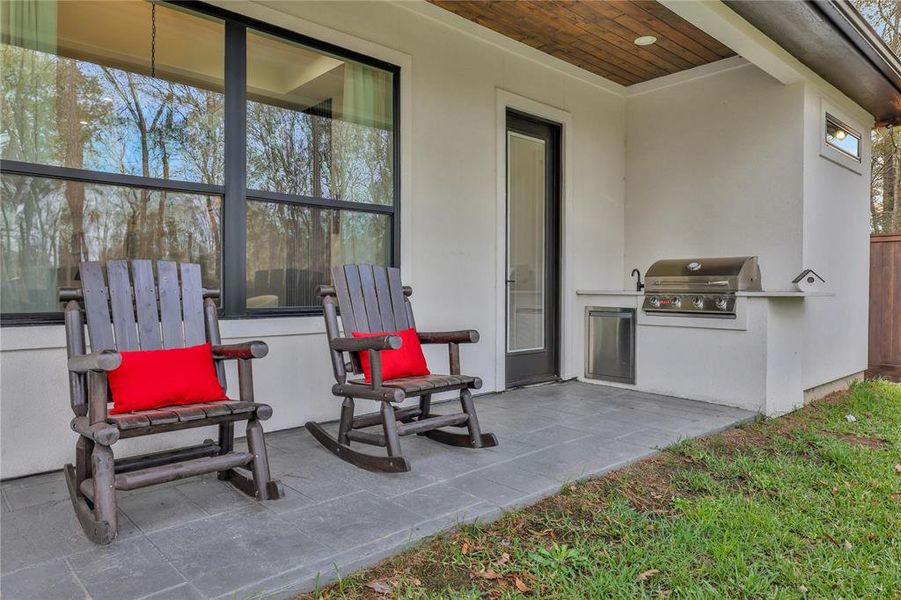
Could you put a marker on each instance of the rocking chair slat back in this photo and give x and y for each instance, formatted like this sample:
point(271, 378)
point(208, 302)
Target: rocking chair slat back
point(355, 299)
point(371, 298)
point(145, 303)
point(168, 316)
point(384, 299)
point(170, 304)
point(403, 312)
point(192, 304)
point(96, 307)
point(347, 311)
point(122, 303)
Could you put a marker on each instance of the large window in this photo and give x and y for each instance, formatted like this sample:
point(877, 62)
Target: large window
point(319, 130)
point(188, 135)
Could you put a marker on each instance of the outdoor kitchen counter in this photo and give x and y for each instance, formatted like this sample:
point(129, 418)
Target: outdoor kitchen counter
point(753, 361)
point(774, 294)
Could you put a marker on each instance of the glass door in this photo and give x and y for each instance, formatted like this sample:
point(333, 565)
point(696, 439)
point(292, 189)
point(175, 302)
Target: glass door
point(532, 249)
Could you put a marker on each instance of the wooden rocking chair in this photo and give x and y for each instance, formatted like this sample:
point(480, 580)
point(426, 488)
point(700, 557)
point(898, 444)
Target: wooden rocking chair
point(169, 315)
point(372, 299)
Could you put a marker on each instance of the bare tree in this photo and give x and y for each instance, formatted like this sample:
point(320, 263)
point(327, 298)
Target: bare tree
point(885, 194)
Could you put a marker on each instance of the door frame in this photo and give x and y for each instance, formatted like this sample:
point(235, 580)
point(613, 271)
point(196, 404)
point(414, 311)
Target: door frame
point(538, 365)
point(507, 100)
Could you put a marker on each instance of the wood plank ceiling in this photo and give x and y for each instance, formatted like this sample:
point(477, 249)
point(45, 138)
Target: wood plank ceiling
point(599, 35)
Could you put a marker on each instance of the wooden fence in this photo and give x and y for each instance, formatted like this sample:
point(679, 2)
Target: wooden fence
point(885, 303)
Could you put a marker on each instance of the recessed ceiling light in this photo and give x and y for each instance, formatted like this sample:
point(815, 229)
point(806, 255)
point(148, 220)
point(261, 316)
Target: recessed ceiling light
point(645, 40)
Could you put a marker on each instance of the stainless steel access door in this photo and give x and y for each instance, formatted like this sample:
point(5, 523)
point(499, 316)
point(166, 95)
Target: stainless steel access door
point(610, 344)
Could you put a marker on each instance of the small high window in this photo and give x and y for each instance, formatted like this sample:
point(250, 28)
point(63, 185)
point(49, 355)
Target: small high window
point(842, 138)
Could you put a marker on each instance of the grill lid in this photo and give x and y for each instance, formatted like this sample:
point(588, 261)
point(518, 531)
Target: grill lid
point(724, 274)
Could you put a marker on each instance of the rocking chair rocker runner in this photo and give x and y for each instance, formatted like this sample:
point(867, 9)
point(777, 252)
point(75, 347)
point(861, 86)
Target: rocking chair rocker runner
point(372, 300)
point(169, 315)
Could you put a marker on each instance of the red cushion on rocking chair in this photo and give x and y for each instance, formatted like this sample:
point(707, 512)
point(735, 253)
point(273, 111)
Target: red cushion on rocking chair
point(149, 379)
point(406, 361)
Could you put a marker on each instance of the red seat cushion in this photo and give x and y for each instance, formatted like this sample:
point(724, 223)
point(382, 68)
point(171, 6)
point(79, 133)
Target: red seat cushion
point(150, 379)
point(406, 361)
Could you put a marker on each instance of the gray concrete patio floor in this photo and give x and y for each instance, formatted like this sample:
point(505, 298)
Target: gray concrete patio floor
point(200, 538)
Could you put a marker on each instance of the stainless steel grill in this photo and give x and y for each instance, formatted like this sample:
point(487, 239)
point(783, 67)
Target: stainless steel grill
point(699, 286)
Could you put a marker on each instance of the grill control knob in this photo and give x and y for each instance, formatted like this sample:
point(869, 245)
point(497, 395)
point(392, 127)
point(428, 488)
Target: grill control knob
point(676, 301)
point(721, 303)
point(698, 302)
point(655, 301)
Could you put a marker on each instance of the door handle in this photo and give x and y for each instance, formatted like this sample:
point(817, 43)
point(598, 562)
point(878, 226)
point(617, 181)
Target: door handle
point(510, 281)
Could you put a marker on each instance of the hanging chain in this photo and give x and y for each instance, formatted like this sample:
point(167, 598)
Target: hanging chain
point(153, 40)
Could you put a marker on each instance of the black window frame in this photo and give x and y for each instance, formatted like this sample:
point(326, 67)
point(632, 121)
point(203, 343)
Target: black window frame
point(233, 191)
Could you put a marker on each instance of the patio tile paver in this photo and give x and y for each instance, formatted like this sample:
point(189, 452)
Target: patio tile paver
point(123, 569)
point(353, 520)
point(158, 508)
point(207, 493)
point(51, 579)
point(221, 553)
point(44, 532)
point(23, 496)
point(437, 499)
point(199, 538)
point(518, 479)
point(650, 437)
point(481, 487)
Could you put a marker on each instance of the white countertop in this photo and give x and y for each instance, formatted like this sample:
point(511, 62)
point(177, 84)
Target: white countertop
point(773, 294)
point(785, 294)
point(608, 293)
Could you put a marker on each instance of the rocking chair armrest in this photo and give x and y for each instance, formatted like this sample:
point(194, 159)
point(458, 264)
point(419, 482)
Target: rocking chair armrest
point(100, 361)
point(466, 336)
point(382, 342)
point(245, 350)
point(102, 433)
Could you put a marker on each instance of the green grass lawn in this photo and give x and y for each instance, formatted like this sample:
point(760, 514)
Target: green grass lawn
point(804, 506)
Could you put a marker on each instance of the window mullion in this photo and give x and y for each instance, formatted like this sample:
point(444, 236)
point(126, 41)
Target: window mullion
point(282, 198)
point(234, 213)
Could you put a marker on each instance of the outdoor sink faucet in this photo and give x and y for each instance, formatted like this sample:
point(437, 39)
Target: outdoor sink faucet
point(638, 284)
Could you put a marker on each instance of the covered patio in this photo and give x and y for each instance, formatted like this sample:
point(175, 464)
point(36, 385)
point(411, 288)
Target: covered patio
point(521, 165)
point(200, 538)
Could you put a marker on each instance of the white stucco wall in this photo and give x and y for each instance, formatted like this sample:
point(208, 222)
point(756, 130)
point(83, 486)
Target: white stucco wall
point(713, 168)
point(450, 82)
point(836, 243)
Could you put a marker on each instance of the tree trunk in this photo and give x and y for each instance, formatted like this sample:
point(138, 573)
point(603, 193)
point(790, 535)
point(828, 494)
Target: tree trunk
point(160, 236)
point(893, 210)
point(71, 140)
point(888, 182)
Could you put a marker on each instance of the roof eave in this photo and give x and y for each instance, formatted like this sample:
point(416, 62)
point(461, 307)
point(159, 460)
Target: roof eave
point(831, 39)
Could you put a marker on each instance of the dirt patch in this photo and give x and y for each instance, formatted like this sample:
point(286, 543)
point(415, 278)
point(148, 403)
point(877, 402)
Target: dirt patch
point(858, 440)
point(648, 485)
point(736, 440)
point(833, 398)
